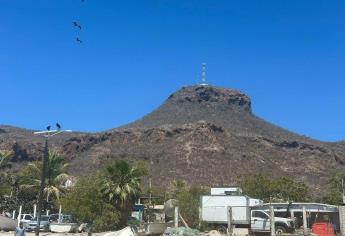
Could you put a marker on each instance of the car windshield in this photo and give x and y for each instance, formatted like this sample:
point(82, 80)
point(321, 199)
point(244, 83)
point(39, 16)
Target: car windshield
point(43, 218)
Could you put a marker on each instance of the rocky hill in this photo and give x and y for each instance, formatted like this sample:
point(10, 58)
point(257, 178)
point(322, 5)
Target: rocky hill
point(202, 134)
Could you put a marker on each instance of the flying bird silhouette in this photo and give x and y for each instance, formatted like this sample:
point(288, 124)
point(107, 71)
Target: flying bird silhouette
point(58, 126)
point(76, 24)
point(78, 40)
point(48, 127)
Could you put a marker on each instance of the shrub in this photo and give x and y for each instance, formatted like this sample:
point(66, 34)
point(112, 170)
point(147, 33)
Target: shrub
point(87, 204)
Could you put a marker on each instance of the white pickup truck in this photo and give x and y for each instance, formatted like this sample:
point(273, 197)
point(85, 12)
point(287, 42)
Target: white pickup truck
point(260, 222)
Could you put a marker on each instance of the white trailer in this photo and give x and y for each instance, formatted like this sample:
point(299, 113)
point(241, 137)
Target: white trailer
point(214, 208)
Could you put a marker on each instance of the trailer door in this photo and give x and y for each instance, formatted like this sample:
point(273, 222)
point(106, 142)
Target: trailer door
point(260, 221)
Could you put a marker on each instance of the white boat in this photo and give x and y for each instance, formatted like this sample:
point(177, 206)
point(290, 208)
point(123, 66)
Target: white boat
point(123, 232)
point(63, 227)
point(7, 224)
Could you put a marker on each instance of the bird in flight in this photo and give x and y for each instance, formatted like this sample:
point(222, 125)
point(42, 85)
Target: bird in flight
point(76, 24)
point(58, 126)
point(48, 127)
point(78, 40)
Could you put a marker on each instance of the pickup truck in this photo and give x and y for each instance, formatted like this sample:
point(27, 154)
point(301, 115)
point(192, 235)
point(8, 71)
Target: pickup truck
point(260, 222)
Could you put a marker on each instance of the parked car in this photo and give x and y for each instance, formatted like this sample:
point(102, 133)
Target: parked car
point(25, 218)
point(44, 224)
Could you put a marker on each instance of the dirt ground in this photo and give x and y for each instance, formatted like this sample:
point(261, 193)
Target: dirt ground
point(51, 234)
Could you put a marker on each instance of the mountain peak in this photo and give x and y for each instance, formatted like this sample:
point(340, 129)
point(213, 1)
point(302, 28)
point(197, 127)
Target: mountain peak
point(210, 95)
point(228, 108)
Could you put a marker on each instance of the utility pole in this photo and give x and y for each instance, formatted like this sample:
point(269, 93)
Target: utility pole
point(47, 134)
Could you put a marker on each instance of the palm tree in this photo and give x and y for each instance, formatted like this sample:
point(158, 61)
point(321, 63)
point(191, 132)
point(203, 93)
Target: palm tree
point(121, 186)
point(56, 176)
point(5, 157)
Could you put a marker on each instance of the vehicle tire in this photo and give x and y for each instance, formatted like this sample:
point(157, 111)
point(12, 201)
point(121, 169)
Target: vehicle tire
point(222, 229)
point(280, 230)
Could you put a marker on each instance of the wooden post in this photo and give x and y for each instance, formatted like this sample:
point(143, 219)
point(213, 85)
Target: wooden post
point(229, 220)
point(272, 222)
point(305, 226)
point(19, 215)
point(176, 217)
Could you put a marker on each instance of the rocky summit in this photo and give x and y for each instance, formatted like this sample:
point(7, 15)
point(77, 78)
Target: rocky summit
point(201, 134)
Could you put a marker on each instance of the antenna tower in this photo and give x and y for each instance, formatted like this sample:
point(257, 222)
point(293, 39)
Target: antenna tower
point(203, 75)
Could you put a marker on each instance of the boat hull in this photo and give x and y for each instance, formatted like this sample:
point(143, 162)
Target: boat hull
point(64, 227)
point(7, 224)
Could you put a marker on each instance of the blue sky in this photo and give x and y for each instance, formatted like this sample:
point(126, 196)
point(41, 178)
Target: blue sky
point(288, 56)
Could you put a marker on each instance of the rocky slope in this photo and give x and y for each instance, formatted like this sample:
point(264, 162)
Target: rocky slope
point(203, 134)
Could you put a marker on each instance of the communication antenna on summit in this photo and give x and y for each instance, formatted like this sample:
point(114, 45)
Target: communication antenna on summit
point(203, 75)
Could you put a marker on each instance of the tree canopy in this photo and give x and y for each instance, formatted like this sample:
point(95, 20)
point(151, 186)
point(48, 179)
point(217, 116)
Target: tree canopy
point(56, 176)
point(268, 189)
point(87, 203)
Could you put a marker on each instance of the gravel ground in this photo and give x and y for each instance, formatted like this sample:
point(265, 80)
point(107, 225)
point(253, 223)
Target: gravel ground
point(51, 234)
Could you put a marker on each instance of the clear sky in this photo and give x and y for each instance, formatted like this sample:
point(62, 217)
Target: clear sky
point(287, 55)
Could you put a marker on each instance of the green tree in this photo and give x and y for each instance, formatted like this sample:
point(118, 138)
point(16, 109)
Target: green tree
point(175, 187)
point(188, 198)
point(287, 189)
point(121, 186)
point(11, 194)
point(87, 203)
point(334, 192)
point(7, 185)
point(5, 157)
point(189, 202)
point(55, 177)
point(283, 189)
point(257, 186)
